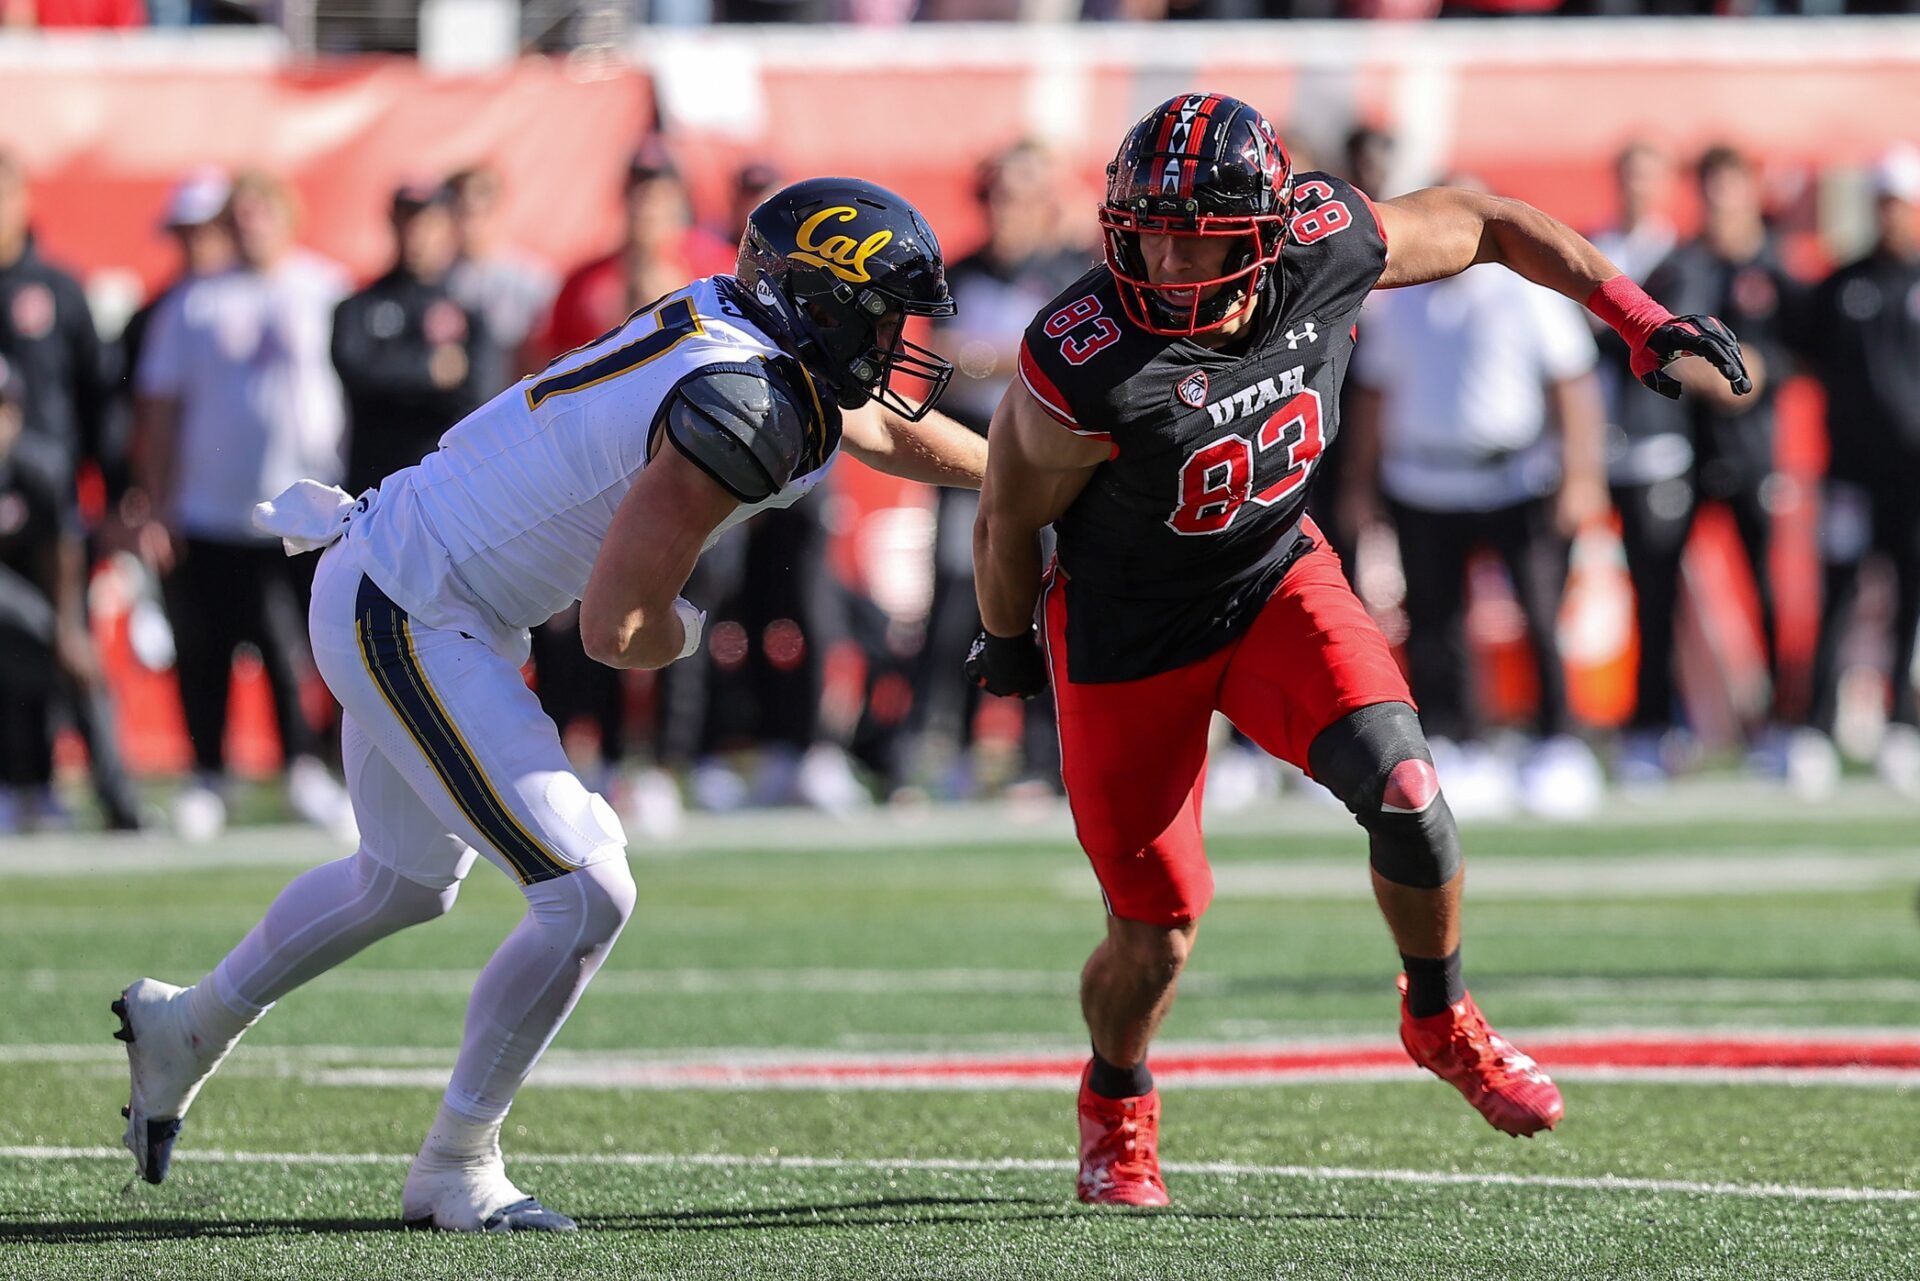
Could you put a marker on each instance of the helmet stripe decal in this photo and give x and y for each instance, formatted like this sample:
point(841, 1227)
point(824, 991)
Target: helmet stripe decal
point(1196, 137)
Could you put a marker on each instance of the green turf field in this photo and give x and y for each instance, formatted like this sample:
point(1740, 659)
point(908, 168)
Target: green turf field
point(790, 940)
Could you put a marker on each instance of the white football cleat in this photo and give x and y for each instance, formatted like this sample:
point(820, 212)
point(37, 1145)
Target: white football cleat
point(653, 808)
point(198, 813)
point(824, 780)
point(1561, 779)
point(1898, 759)
point(316, 796)
point(168, 1064)
point(471, 1193)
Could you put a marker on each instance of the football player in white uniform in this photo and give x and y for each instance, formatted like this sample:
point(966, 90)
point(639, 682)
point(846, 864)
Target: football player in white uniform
point(600, 479)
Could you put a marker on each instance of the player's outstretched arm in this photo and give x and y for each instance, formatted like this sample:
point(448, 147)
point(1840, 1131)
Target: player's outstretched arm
point(1442, 231)
point(936, 450)
point(631, 615)
point(1035, 469)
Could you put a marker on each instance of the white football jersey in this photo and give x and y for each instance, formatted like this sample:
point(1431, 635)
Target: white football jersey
point(509, 513)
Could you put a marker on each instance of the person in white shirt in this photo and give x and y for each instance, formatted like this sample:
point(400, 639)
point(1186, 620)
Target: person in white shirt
point(1459, 386)
point(600, 479)
point(1650, 457)
point(235, 399)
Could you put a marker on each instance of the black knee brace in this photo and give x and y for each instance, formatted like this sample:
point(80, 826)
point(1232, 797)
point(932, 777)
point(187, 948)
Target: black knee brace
point(1376, 761)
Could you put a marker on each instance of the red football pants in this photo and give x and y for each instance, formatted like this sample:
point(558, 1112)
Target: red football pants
point(1134, 753)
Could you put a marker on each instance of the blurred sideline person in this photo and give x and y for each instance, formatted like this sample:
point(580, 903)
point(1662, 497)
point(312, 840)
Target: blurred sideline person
point(1171, 408)
point(510, 289)
point(998, 287)
point(1651, 472)
point(1862, 336)
point(599, 481)
point(47, 333)
point(1732, 271)
point(412, 359)
point(661, 250)
point(236, 398)
point(773, 583)
point(43, 628)
point(1368, 156)
point(1477, 416)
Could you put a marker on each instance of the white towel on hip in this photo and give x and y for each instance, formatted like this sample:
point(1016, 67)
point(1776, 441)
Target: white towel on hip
point(306, 516)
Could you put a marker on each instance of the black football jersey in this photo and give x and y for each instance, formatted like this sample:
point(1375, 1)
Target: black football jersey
point(1182, 535)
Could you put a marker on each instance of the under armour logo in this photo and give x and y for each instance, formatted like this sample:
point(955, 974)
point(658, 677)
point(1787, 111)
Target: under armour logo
point(1304, 334)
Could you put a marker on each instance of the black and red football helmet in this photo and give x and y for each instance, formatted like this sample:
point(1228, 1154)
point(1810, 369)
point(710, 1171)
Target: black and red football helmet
point(1204, 165)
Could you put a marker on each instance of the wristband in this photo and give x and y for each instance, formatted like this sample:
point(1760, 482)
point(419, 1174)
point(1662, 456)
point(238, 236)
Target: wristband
point(692, 620)
point(1628, 309)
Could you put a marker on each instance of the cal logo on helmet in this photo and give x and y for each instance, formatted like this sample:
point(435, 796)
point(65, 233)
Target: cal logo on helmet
point(842, 255)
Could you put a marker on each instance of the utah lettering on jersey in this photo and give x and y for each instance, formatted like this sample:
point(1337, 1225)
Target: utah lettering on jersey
point(1182, 534)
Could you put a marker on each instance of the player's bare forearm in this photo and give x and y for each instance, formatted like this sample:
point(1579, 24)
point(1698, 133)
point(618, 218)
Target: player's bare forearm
point(1035, 469)
point(627, 618)
point(1360, 473)
point(1582, 418)
point(935, 451)
point(156, 423)
point(1442, 231)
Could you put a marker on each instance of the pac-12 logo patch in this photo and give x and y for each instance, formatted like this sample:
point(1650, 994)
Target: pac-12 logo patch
point(1192, 390)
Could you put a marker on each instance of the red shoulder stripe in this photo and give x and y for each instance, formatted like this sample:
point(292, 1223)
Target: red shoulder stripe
point(1378, 225)
point(1042, 389)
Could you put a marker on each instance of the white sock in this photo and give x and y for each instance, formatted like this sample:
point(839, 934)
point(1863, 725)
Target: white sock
point(530, 986)
point(215, 1020)
point(455, 1135)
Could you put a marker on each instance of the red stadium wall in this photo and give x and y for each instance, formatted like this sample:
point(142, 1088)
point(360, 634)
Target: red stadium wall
point(106, 125)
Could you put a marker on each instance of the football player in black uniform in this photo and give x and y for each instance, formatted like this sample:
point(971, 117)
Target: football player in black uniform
point(1171, 408)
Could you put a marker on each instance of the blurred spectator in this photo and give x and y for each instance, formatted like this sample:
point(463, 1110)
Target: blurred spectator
point(1461, 384)
point(1650, 466)
point(756, 180)
point(510, 289)
point(1862, 334)
point(193, 219)
point(661, 250)
point(237, 399)
point(411, 359)
point(47, 333)
point(43, 631)
point(1732, 271)
point(1368, 154)
point(997, 289)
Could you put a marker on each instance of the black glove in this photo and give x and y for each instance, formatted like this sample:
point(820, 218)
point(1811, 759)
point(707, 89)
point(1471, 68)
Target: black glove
point(1007, 665)
point(1701, 336)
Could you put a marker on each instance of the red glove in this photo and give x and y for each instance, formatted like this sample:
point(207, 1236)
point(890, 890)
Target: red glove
point(1655, 337)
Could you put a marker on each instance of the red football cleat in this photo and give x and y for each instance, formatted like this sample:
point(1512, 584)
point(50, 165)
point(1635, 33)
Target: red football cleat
point(1507, 1087)
point(1120, 1148)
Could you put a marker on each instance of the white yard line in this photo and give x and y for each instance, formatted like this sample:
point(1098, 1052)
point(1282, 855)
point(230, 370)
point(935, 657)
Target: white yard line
point(1213, 1169)
point(986, 1048)
point(860, 981)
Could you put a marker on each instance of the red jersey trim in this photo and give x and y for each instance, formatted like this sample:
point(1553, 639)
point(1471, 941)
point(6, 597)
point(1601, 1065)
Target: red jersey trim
point(1041, 388)
point(1378, 225)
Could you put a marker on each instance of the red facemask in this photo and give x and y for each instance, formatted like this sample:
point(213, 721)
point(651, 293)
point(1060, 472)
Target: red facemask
point(1183, 309)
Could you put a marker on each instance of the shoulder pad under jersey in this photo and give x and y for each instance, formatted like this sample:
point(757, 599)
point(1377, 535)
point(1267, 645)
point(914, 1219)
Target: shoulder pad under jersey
point(738, 425)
